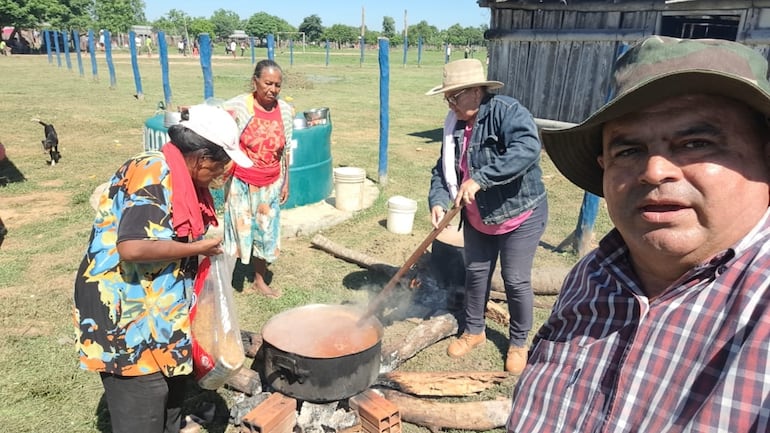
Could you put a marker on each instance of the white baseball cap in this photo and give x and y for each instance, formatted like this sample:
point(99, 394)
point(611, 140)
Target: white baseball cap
point(217, 126)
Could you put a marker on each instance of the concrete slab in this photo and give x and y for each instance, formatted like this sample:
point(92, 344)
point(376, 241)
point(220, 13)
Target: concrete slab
point(311, 218)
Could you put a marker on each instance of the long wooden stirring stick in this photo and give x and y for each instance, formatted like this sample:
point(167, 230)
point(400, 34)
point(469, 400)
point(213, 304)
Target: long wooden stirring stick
point(375, 303)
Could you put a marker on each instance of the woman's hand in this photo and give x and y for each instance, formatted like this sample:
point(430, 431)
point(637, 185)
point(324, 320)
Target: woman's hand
point(436, 215)
point(467, 192)
point(285, 192)
point(210, 246)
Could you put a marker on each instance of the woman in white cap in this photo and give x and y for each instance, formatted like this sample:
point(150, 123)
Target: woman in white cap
point(132, 288)
point(490, 165)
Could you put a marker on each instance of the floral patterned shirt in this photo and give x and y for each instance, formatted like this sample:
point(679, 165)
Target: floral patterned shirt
point(132, 318)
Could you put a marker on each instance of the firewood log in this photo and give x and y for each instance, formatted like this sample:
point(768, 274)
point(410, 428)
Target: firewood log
point(352, 256)
point(476, 415)
point(246, 381)
point(421, 336)
point(443, 384)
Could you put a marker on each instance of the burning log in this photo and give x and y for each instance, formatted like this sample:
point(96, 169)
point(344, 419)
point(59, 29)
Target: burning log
point(443, 384)
point(423, 335)
point(477, 415)
point(352, 256)
point(252, 341)
point(545, 281)
point(245, 380)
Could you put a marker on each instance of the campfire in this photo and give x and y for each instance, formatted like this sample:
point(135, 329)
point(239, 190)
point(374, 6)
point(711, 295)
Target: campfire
point(394, 396)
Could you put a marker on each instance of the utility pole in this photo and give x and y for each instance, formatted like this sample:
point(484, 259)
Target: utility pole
point(363, 24)
point(406, 27)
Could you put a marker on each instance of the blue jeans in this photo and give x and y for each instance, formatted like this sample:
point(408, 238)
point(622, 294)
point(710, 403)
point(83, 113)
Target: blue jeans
point(147, 404)
point(516, 250)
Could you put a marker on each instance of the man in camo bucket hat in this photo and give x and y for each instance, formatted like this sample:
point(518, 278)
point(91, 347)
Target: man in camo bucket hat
point(664, 327)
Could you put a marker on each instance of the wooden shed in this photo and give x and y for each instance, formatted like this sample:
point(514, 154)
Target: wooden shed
point(556, 56)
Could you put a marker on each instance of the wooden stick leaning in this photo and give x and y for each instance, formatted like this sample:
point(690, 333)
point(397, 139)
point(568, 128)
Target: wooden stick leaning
point(377, 301)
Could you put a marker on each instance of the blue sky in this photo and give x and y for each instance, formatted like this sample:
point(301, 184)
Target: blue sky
point(440, 13)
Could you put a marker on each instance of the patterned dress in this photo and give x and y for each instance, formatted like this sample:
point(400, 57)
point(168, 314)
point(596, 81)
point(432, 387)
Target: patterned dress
point(132, 318)
point(252, 216)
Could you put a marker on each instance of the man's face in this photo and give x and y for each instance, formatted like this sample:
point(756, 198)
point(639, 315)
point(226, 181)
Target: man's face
point(685, 178)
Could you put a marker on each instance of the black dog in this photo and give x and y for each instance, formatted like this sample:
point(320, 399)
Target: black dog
point(51, 142)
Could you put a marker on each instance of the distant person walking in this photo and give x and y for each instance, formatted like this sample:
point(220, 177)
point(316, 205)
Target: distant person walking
point(233, 46)
point(148, 45)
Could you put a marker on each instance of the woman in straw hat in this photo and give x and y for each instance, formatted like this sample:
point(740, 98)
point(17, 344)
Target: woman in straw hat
point(490, 164)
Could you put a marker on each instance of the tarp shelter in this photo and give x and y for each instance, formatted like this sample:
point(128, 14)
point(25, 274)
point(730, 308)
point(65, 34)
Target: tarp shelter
point(238, 34)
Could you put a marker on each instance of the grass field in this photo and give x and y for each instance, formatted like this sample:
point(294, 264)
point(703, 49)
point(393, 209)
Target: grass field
point(49, 214)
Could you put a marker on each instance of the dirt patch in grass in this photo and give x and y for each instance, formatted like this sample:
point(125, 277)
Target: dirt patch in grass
point(35, 206)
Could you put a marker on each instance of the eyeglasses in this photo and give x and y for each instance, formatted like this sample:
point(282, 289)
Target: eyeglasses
point(452, 100)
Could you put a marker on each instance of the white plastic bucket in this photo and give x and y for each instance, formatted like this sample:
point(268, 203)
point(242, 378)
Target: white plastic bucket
point(401, 212)
point(349, 188)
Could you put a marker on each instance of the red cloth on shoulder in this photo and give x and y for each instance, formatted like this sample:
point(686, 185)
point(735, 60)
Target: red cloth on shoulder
point(192, 208)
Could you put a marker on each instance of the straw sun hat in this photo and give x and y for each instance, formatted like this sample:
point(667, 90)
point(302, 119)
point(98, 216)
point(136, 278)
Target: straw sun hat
point(651, 71)
point(462, 74)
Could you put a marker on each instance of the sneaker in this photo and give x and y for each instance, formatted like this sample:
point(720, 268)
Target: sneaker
point(516, 359)
point(464, 344)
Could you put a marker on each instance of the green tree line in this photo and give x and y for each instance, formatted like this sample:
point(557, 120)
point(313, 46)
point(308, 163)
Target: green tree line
point(118, 16)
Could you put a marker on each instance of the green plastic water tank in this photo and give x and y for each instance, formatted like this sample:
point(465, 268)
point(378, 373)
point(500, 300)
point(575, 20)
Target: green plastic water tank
point(310, 167)
point(155, 134)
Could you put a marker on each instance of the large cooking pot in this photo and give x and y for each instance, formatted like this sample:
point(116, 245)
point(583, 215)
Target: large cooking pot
point(321, 353)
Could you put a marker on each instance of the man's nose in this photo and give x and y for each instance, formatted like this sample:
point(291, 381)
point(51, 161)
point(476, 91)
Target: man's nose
point(659, 169)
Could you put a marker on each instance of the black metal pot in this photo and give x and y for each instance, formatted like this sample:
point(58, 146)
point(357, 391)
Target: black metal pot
point(324, 370)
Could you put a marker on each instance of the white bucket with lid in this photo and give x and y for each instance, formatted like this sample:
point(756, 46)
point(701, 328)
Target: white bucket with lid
point(401, 212)
point(349, 188)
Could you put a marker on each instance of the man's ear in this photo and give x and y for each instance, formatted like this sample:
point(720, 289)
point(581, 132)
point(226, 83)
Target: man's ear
point(600, 161)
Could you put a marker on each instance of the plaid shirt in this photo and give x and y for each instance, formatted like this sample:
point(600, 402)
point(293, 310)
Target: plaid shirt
point(695, 359)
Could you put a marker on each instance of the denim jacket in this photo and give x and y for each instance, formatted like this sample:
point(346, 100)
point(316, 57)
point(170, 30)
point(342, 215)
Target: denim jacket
point(503, 158)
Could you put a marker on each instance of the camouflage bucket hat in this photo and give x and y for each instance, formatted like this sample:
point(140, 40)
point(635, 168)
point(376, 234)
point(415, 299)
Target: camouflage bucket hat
point(655, 69)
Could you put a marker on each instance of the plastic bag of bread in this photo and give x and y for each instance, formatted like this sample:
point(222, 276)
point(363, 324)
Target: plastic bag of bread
point(217, 346)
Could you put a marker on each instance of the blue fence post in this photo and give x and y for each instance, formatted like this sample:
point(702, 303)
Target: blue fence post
point(419, 51)
point(92, 51)
point(406, 48)
point(66, 43)
point(163, 55)
point(327, 53)
point(76, 37)
point(362, 44)
point(47, 35)
point(590, 206)
point(271, 47)
point(253, 50)
point(384, 104)
point(205, 59)
point(446, 52)
point(135, 65)
point(108, 56)
point(291, 52)
point(56, 47)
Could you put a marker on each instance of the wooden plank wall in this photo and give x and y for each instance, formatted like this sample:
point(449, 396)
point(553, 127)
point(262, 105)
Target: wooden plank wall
point(560, 78)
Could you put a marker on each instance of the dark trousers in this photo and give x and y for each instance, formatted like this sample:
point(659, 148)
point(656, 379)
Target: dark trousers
point(147, 404)
point(516, 250)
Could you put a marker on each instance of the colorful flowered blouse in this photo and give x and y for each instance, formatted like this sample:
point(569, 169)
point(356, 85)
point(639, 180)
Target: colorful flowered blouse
point(132, 318)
